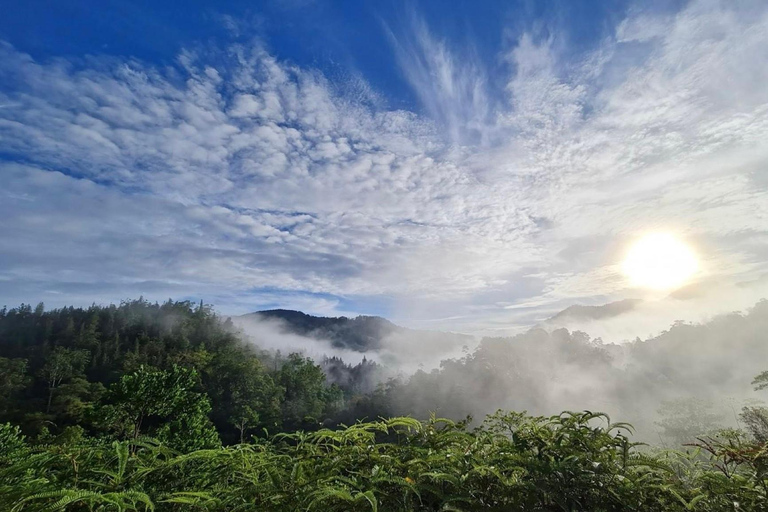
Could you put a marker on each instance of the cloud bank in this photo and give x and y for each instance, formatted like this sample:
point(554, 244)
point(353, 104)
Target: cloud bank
point(684, 382)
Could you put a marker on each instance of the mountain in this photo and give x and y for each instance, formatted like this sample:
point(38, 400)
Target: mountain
point(362, 333)
point(579, 312)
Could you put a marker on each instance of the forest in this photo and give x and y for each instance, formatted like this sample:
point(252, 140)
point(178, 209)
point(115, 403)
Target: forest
point(148, 406)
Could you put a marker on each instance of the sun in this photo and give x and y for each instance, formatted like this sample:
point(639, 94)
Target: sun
point(659, 261)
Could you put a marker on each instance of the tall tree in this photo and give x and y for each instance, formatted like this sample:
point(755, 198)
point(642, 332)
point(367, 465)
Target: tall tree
point(162, 403)
point(308, 398)
point(62, 364)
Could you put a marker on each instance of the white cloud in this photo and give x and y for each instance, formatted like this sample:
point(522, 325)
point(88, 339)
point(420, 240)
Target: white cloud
point(257, 175)
point(453, 89)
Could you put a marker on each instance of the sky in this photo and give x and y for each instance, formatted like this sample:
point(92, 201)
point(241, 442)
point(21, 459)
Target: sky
point(466, 166)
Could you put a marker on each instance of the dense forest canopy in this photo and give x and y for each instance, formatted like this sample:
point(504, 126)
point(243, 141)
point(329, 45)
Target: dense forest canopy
point(74, 367)
point(158, 389)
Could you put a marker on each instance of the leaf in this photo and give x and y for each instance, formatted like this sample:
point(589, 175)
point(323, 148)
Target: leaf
point(370, 497)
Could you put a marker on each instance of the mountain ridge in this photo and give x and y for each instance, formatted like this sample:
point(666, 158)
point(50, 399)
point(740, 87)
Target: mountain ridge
point(361, 333)
point(601, 312)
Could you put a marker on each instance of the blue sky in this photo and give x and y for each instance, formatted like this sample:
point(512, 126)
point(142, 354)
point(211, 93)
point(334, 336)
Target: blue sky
point(335, 37)
point(472, 166)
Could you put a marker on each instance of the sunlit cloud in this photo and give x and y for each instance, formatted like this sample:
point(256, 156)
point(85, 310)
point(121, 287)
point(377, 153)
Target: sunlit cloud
point(240, 177)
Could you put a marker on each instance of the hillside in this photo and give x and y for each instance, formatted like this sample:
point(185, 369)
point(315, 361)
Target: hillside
point(581, 312)
point(361, 334)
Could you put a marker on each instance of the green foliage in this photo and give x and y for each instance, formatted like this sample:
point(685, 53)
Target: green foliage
point(13, 377)
point(246, 393)
point(756, 422)
point(125, 407)
point(12, 441)
point(683, 420)
point(761, 381)
point(163, 403)
point(56, 366)
point(513, 462)
point(307, 398)
point(61, 365)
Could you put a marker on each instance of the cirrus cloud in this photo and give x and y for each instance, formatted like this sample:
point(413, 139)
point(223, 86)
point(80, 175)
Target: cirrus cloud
point(250, 181)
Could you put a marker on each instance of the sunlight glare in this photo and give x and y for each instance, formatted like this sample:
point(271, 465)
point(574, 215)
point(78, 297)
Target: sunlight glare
point(659, 261)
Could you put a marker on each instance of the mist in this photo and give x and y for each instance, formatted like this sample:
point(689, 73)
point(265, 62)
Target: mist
point(274, 335)
point(545, 372)
point(694, 373)
point(651, 313)
point(399, 351)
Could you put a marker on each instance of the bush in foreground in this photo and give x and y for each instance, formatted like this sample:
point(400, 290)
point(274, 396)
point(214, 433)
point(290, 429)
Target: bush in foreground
point(574, 461)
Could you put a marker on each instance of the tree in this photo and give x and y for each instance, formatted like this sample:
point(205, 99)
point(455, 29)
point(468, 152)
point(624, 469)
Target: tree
point(756, 418)
point(244, 418)
point(761, 381)
point(254, 399)
point(62, 364)
point(13, 378)
point(245, 395)
point(307, 396)
point(162, 403)
point(683, 420)
point(756, 421)
point(76, 399)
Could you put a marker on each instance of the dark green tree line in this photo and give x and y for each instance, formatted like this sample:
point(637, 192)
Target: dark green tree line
point(137, 368)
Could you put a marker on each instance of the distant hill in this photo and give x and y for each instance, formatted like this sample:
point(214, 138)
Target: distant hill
point(579, 312)
point(362, 333)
